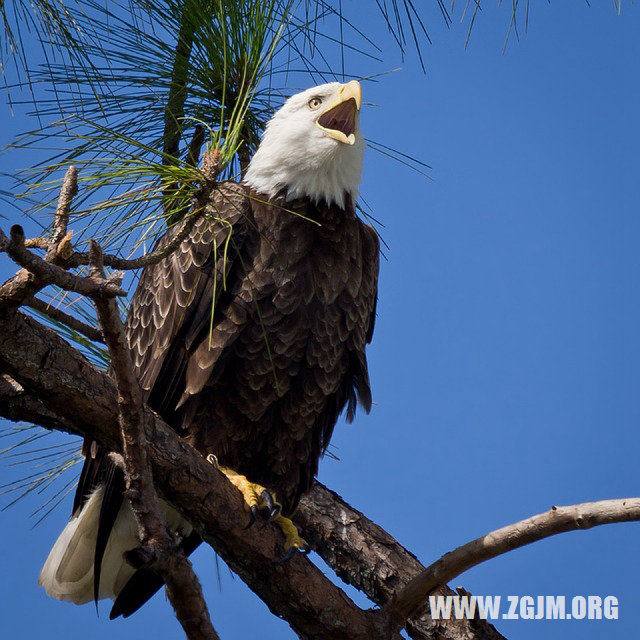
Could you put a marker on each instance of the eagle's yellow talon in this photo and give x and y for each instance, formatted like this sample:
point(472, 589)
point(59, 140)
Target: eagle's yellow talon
point(293, 540)
point(257, 497)
point(253, 493)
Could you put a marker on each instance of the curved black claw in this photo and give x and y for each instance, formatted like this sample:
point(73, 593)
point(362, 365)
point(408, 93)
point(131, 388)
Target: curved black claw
point(287, 556)
point(273, 507)
point(252, 517)
point(292, 552)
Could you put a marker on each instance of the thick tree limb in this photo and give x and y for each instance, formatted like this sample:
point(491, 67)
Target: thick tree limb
point(367, 557)
point(348, 541)
point(18, 405)
point(54, 383)
point(68, 385)
point(556, 520)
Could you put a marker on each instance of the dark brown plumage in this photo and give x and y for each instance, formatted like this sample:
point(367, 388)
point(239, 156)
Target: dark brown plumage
point(250, 341)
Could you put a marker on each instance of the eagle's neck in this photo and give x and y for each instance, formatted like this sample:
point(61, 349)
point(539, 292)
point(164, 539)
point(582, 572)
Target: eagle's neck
point(277, 169)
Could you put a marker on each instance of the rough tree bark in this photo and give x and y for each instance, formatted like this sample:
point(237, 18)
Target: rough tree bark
point(367, 557)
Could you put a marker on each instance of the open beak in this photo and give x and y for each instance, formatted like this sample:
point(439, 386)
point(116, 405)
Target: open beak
point(339, 119)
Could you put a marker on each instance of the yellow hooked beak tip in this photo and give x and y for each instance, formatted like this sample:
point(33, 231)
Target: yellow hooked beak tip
point(338, 120)
point(351, 90)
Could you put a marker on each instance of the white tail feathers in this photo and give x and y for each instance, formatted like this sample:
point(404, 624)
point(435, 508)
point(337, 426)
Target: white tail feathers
point(68, 572)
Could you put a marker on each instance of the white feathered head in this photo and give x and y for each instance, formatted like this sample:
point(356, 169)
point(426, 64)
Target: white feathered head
point(312, 146)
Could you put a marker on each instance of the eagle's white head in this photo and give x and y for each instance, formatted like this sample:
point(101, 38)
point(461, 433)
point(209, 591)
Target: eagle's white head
point(312, 146)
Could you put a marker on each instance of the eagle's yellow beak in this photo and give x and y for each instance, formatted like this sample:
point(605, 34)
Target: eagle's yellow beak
point(339, 119)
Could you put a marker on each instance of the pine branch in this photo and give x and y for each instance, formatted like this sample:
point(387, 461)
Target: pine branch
point(24, 284)
point(159, 548)
point(174, 109)
point(557, 520)
point(46, 273)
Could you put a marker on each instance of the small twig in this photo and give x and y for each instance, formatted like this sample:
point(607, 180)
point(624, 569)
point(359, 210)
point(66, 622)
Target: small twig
point(60, 252)
point(159, 548)
point(60, 221)
point(211, 170)
point(80, 258)
point(556, 520)
point(58, 246)
point(37, 243)
point(60, 316)
point(196, 145)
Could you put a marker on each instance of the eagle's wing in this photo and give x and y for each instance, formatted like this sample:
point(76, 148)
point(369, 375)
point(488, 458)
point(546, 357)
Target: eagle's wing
point(172, 305)
point(175, 301)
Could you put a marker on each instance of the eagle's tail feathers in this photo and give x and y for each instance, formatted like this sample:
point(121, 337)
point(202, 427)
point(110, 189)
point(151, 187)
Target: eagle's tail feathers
point(68, 572)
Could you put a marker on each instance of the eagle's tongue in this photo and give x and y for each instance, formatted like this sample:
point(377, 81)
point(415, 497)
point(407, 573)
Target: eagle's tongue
point(341, 118)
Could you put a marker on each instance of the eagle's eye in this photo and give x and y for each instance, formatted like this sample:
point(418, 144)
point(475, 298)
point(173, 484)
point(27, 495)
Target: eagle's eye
point(314, 103)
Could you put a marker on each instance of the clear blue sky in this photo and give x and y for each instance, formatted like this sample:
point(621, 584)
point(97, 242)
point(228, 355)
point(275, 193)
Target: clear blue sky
point(506, 359)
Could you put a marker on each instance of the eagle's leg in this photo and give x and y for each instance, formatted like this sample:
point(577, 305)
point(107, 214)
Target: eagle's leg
point(255, 495)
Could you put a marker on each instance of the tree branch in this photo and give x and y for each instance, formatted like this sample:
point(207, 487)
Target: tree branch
point(47, 273)
point(67, 384)
point(18, 405)
point(367, 557)
point(80, 258)
point(313, 606)
point(61, 219)
point(60, 316)
point(196, 145)
point(348, 541)
point(58, 246)
point(556, 520)
point(174, 109)
point(159, 547)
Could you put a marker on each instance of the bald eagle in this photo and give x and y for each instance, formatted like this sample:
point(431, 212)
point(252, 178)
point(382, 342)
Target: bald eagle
point(249, 340)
